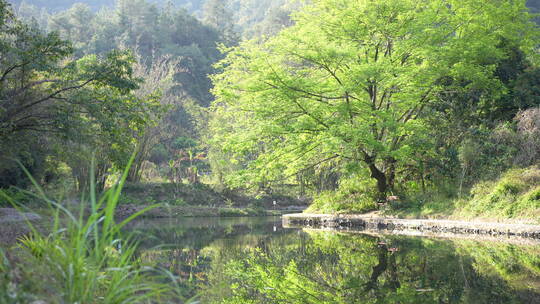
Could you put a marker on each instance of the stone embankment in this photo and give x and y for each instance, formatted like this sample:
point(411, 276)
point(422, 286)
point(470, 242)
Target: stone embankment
point(359, 222)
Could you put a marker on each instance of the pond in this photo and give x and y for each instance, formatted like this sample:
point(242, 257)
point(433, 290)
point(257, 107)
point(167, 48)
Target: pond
point(256, 260)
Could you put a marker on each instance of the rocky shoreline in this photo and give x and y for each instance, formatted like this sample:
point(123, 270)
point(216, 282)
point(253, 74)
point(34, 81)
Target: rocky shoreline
point(445, 227)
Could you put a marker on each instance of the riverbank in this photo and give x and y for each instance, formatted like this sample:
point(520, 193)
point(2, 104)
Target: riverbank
point(165, 211)
point(13, 224)
point(201, 200)
point(374, 223)
point(513, 197)
point(202, 195)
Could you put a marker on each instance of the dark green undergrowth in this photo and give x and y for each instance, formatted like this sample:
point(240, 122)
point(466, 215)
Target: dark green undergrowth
point(230, 212)
point(16, 195)
point(169, 193)
point(198, 195)
point(164, 211)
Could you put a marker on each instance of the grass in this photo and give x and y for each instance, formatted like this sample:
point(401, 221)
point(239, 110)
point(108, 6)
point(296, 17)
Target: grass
point(85, 258)
point(248, 211)
point(355, 195)
point(429, 205)
point(185, 195)
point(514, 196)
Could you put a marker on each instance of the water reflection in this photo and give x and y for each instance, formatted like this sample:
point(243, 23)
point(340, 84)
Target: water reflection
point(255, 260)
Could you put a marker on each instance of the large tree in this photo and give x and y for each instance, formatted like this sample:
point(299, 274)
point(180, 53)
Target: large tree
point(47, 98)
point(349, 82)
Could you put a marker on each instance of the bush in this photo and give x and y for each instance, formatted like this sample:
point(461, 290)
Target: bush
point(355, 194)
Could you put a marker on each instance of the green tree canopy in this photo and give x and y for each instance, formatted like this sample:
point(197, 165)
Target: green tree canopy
point(45, 94)
point(350, 81)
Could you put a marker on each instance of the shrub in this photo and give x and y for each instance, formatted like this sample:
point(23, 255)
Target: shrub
point(354, 195)
point(177, 202)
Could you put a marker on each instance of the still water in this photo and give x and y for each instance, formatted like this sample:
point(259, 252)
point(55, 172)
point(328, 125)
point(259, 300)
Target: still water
point(256, 260)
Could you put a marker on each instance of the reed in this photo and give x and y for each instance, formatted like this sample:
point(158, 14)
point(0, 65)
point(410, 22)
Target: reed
point(89, 258)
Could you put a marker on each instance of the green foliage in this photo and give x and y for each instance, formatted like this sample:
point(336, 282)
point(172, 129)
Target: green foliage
point(14, 194)
point(420, 96)
point(153, 32)
point(349, 83)
point(232, 212)
point(88, 259)
point(48, 101)
point(172, 194)
point(182, 143)
point(159, 154)
point(355, 195)
point(514, 195)
point(344, 268)
point(175, 53)
point(58, 5)
point(434, 204)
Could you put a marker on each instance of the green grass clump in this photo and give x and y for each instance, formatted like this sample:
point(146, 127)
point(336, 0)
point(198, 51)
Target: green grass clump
point(515, 195)
point(426, 205)
point(339, 202)
point(85, 258)
point(355, 194)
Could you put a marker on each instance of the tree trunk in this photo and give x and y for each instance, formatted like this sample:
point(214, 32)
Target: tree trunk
point(378, 269)
point(83, 177)
point(382, 183)
point(390, 167)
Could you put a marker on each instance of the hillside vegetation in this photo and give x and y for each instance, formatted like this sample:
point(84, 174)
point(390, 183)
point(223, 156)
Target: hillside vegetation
point(342, 103)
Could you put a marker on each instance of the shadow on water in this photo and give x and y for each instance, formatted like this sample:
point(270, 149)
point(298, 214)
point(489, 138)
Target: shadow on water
point(256, 260)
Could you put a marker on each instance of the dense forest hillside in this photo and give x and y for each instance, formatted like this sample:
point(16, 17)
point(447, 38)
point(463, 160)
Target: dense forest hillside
point(246, 17)
point(173, 52)
point(59, 5)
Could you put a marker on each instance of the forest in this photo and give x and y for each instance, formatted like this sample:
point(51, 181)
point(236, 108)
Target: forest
point(102, 80)
point(401, 108)
point(160, 59)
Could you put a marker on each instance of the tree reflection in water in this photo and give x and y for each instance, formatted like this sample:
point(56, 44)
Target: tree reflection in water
point(249, 262)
